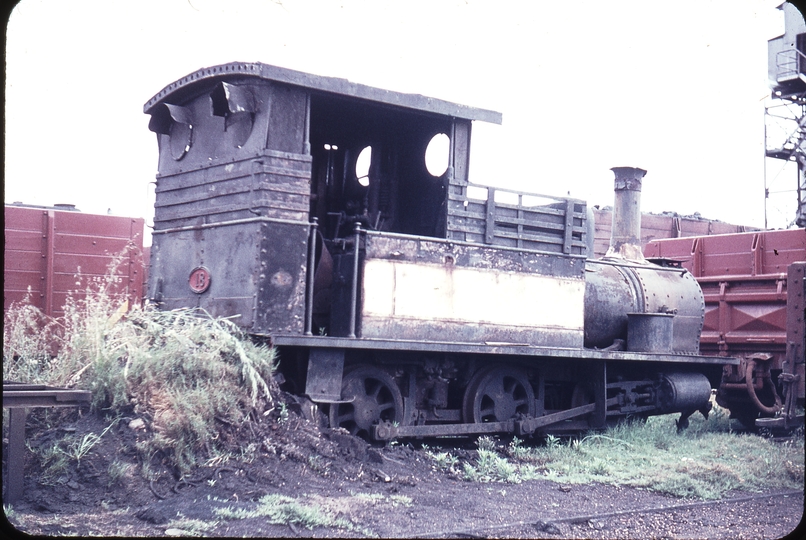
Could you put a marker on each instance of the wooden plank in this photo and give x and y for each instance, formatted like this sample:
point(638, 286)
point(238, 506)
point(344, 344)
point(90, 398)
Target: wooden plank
point(490, 217)
point(221, 205)
point(569, 222)
point(559, 240)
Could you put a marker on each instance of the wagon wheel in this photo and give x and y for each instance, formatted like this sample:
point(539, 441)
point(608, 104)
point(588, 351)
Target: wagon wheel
point(497, 394)
point(373, 397)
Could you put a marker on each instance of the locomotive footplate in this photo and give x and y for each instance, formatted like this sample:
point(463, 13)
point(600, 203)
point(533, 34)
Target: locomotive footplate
point(495, 348)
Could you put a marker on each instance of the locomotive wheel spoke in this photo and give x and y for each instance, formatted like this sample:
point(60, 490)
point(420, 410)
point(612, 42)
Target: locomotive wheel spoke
point(486, 413)
point(374, 393)
point(373, 397)
point(348, 415)
point(497, 394)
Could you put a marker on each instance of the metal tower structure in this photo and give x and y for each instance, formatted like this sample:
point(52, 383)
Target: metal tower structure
point(785, 116)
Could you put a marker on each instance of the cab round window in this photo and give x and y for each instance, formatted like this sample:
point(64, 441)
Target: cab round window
point(362, 164)
point(437, 154)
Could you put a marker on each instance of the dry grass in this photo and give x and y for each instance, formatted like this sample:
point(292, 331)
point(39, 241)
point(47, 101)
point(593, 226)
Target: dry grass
point(185, 373)
point(704, 462)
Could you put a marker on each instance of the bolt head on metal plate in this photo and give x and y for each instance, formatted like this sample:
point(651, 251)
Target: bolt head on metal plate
point(199, 279)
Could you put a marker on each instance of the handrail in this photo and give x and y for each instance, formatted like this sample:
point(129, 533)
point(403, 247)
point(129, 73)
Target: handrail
point(311, 270)
point(354, 289)
point(520, 194)
point(789, 62)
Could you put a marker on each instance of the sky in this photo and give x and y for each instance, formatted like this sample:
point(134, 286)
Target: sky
point(676, 88)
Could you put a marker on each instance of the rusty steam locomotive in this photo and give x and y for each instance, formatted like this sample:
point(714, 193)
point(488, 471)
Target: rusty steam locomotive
point(409, 301)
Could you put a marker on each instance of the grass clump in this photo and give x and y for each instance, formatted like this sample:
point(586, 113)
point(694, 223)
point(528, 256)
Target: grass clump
point(284, 510)
point(312, 511)
point(443, 461)
point(190, 376)
point(191, 527)
point(704, 462)
point(55, 463)
point(117, 472)
point(28, 343)
point(57, 457)
point(491, 467)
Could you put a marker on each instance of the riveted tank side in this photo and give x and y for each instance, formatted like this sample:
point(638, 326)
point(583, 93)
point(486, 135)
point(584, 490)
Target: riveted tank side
point(232, 197)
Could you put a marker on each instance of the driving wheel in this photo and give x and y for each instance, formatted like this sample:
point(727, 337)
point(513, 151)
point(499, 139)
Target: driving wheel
point(496, 394)
point(373, 397)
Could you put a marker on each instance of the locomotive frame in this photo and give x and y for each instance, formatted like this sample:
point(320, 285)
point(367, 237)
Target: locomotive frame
point(409, 303)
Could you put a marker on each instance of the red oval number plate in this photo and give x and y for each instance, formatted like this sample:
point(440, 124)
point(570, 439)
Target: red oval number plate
point(199, 280)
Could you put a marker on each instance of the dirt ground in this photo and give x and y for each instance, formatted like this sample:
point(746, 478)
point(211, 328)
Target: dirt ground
point(382, 491)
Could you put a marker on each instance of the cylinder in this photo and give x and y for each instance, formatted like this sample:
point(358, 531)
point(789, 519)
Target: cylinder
point(625, 236)
point(680, 392)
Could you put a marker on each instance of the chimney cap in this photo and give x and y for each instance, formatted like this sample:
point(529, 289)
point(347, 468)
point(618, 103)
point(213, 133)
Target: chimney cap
point(628, 178)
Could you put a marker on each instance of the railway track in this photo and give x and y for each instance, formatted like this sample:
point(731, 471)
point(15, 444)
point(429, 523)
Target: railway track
point(595, 521)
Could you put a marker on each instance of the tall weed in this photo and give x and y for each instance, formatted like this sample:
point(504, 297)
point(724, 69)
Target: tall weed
point(28, 338)
point(186, 373)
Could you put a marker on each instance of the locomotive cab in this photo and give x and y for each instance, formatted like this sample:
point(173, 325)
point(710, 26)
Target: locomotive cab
point(369, 167)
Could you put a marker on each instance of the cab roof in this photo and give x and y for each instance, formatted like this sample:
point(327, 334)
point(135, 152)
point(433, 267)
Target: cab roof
point(331, 85)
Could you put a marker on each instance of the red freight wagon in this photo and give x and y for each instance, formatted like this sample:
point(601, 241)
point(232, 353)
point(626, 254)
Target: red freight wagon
point(753, 284)
point(53, 252)
point(657, 226)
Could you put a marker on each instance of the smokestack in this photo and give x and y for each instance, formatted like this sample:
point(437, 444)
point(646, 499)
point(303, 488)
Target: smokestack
point(625, 236)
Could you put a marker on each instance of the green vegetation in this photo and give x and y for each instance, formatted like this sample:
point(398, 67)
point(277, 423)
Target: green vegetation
point(704, 462)
point(8, 510)
point(191, 527)
point(116, 472)
point(186, 374)
point(311, 511)
point(58, 456)
point(54, 463)
point(282, 510)
point(401, 500)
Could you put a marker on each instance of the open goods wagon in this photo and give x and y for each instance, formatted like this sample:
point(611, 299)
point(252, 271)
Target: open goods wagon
point(52, 252)
point(754, 290)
